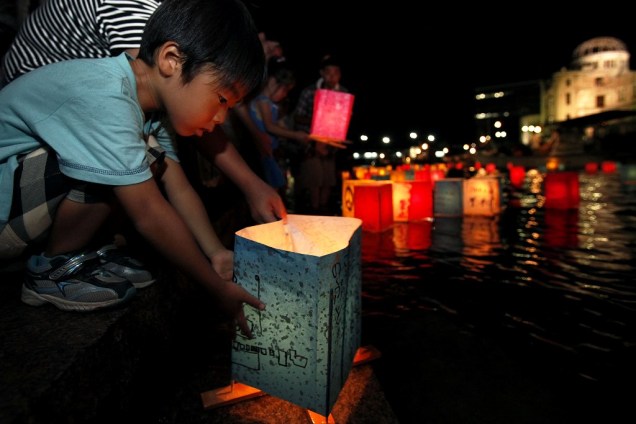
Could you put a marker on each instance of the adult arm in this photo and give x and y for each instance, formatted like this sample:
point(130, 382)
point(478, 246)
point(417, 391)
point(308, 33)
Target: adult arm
point(265, 203)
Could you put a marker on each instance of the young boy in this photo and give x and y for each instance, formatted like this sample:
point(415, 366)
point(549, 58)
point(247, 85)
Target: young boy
point(80, 135)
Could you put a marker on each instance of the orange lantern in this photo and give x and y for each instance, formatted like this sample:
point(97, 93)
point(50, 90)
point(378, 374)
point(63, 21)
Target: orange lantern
point(552, 164)
point(370, 201)
point(332, 113)
point(481, 196)
point(562, 190)
point(412, 200)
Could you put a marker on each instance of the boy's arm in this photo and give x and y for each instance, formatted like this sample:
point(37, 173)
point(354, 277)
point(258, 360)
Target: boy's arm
point(189, 206)
point(159, 223)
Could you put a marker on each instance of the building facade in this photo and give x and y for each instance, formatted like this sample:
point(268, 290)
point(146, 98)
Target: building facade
point(593, 98)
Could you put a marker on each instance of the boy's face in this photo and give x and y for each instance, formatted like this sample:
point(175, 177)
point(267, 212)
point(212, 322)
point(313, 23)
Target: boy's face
point(197, 107)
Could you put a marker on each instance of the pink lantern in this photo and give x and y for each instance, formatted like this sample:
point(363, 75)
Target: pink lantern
point(332, 113)
point(562, 190)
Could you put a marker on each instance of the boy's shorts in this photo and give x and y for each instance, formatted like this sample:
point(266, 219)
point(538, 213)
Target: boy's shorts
point(38, 188)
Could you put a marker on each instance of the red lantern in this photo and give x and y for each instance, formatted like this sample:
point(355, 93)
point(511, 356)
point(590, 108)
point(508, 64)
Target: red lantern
point(562, 190)
point(591, 167)
point(370, 201)
point(608, 167)
point(517, 175)
point(332, 113)
point(412, 200)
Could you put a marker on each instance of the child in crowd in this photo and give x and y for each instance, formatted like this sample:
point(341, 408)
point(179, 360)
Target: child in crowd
point(264, 111)
point(79, 137)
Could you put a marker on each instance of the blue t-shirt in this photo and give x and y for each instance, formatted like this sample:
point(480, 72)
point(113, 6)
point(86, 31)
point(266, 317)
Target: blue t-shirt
point(87, 111)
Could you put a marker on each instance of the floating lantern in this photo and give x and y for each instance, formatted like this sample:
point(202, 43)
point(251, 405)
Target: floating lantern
point(412, 200)
point(448, 197)
point(561, 190)
point(552, 164)
point(481, 196)
point(308, 273)
point(517, 175)
point(628, 173)
point(491, 168)
point(362, 172)
point(591, 167)
point(331, 116)
point(609, 167)
point(371, 201)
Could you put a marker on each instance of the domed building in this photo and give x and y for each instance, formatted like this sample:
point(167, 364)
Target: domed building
point(592, 102)
point(598, 79)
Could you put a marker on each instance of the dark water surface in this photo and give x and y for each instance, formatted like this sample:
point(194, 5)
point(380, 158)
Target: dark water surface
point(550, 286)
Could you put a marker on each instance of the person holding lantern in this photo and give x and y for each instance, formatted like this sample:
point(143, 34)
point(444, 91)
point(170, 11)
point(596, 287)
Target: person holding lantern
point(316, 173)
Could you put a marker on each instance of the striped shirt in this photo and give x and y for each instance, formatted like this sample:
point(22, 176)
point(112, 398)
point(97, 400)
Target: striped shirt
point(70, 29)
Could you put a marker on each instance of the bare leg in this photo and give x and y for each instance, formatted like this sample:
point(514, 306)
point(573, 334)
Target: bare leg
point(74, 226)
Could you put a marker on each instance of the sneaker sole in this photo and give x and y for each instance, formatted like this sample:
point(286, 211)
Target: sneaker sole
point(33, 298)
point(143, 284)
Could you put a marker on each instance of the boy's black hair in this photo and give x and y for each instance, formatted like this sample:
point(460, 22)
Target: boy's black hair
point(217, 34)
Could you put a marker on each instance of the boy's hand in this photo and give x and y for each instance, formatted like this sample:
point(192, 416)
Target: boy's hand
point(232, 299)
point(223, 263)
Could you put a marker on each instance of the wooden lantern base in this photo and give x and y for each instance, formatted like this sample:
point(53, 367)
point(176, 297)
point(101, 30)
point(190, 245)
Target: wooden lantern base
point(238, 392)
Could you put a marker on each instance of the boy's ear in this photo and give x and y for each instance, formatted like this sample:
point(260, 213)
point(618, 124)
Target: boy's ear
point(169, 59)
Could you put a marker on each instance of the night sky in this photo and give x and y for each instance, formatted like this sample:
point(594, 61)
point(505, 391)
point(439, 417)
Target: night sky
point(417, 70)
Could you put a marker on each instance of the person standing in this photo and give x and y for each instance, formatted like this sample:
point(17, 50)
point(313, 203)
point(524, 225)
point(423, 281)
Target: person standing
point(316, 173)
